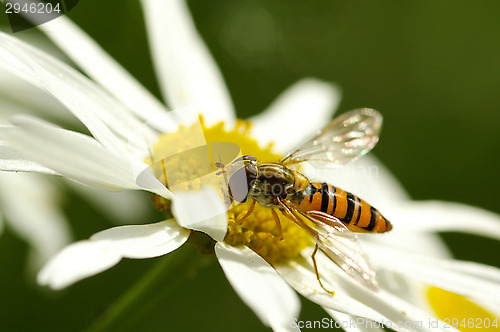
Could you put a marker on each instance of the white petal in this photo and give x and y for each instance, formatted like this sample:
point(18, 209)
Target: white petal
point(187, 73)
point(105, 249)
point(422, 243)
point(259, 286)
point(97, 110)
point(352, 324)
point(392, 306)
point(144, 241)
point(85, 52)
point(399, 311)
point(474, 280)
point(9, 108)
point(147, 181)
point(201, 210)
point(19, 96)
point(411, 317)
point(296, 114)
point(31, 207)
point(124, 207)
point(350, 297)
point(302, 278)
point(74, 155)
point(76, 262)
point(12, 161)
point(482, 271)
point(436, 216)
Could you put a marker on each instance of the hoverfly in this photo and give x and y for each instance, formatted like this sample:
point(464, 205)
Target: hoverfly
point(329, 214)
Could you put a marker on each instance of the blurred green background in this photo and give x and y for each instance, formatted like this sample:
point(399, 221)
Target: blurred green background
point(431, 67)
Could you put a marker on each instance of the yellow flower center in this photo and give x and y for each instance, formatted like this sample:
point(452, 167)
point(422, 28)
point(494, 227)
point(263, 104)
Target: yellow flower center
point(180, 160)
point(460, 313)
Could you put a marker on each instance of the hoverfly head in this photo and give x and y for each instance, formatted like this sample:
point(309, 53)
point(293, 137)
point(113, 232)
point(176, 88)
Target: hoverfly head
point(242, 175)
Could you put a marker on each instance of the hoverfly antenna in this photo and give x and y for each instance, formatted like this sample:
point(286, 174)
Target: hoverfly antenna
point(226, 168)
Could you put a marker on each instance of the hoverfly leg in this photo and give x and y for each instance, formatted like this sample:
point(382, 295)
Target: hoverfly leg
point(287, 214)
point(316, 270)
point(248, 212)
point(278, 223)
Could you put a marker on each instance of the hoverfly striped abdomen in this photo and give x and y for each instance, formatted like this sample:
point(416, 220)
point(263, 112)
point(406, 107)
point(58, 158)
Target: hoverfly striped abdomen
point(354, 212)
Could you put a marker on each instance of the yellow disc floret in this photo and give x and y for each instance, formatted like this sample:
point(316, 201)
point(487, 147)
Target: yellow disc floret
point(184, 160)
point(259, 232)
point(460, 313)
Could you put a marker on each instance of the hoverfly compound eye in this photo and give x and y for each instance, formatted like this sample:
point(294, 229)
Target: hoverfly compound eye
point(239, 185)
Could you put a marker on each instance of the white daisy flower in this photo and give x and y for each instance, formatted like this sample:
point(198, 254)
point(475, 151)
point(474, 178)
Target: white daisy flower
point(112, 105)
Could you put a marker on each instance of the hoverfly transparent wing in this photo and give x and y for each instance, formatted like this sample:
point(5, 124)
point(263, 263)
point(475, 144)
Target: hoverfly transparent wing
point(342, 247)
point(337, 242)
point(346, 138)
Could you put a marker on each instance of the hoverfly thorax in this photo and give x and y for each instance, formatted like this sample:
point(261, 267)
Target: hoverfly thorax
point(273, 181)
